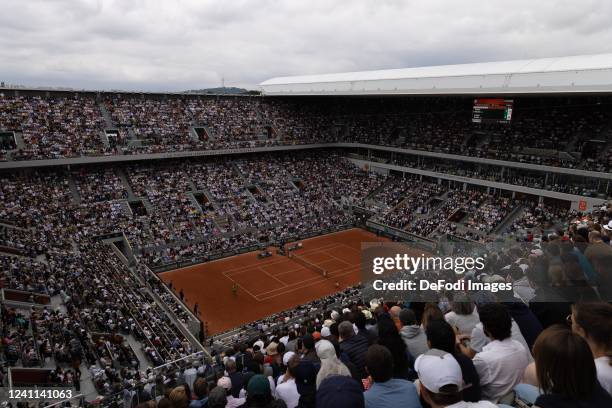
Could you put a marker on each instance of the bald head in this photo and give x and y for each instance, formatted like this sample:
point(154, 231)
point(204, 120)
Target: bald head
point(395, 311)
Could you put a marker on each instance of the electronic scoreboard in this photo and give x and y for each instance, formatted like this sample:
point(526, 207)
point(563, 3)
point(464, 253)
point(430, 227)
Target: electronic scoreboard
point(492, 110)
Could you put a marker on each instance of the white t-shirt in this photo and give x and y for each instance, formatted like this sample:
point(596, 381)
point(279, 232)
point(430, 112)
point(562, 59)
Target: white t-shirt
point(287, 391)
point(479, 404)
point(478, 339)
point(604, 373)
point(500, 366)
point(465, 323)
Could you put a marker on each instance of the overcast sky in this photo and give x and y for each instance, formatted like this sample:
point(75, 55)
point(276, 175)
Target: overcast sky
point(173, 45)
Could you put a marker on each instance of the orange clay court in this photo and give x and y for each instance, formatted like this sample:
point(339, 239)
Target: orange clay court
point(270, 285)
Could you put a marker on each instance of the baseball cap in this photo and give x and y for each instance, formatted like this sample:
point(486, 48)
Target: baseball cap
point(288, 355)
point(325, 332)
point(340, 391)
point(305, 377)
point(258, 385)
point(437, 368)
point(224, 382)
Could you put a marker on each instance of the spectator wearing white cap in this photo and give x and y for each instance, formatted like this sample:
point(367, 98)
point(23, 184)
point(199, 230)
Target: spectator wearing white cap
point(441, 381)
point(330, 363)
point(226, 384)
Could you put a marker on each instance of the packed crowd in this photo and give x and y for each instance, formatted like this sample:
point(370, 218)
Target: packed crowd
point(552, 131)
point(211, 207)
point(547, 342)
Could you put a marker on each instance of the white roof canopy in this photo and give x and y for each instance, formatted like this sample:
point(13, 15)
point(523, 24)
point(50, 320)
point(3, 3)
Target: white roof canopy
point(585, 73)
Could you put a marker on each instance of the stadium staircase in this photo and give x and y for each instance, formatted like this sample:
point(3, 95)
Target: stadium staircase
point(147, 205)
point(19, 141)
point(76, 197)
point(516, 213)
point(108, 121)
point(126, 183)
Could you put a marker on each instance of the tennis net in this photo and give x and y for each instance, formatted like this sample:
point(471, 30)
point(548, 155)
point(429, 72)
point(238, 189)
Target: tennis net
point(307, 264)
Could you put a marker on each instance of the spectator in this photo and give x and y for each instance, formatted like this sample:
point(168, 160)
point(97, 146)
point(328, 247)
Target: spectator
point(386, 391)
point(463, 314)
point(339, 391)
point(412, 333)
point(441, 380)
point(501, 363)
point(593, 321)
point(235, 377)
point(566, 371)
point(355, 347)
point(390, 338)
point(200, 389)
point(441, 336)
point(330, 364)
point(259, 394)
point(180, 397)
point(286, 389)
point(226, 384)
point(217, 398)
point(306, 383)
point(308, 352)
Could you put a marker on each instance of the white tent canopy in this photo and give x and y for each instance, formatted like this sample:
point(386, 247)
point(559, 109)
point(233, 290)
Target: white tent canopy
point(585, 73)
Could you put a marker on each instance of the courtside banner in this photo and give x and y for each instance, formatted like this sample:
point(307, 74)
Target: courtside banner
point(505, 271)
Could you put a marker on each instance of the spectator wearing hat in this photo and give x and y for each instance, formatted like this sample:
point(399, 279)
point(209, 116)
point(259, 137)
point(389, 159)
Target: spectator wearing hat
point(226, 384)
point(412, 334)
point(338, 391)
point(305, 374)
point(386, 391)
point(441, 336)
point(259, 394)
point(330, 364)
point(354, 347)
point(286, 389)
point(441, 380)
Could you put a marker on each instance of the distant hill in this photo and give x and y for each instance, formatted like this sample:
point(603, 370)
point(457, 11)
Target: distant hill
point(222, 91)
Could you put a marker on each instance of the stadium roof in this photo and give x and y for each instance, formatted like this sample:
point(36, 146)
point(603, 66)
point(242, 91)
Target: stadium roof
point(585, 73)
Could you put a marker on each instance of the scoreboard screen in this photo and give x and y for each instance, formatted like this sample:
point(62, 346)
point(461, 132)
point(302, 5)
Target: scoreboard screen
point(492, 110)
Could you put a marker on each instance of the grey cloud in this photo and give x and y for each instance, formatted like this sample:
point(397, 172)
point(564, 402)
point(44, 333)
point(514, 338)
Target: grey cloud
point(186, 44)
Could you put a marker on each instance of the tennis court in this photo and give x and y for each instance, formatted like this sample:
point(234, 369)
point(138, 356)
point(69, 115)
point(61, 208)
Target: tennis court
point(273, 284)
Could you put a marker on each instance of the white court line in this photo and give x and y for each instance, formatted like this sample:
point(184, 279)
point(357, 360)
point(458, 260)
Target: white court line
point(302, 287)
point(318, 278)
point(242, 269)
point(273, 277)
point(243, 288)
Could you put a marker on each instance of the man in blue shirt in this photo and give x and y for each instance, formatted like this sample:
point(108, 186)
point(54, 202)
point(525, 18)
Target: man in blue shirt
point(387, 392)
